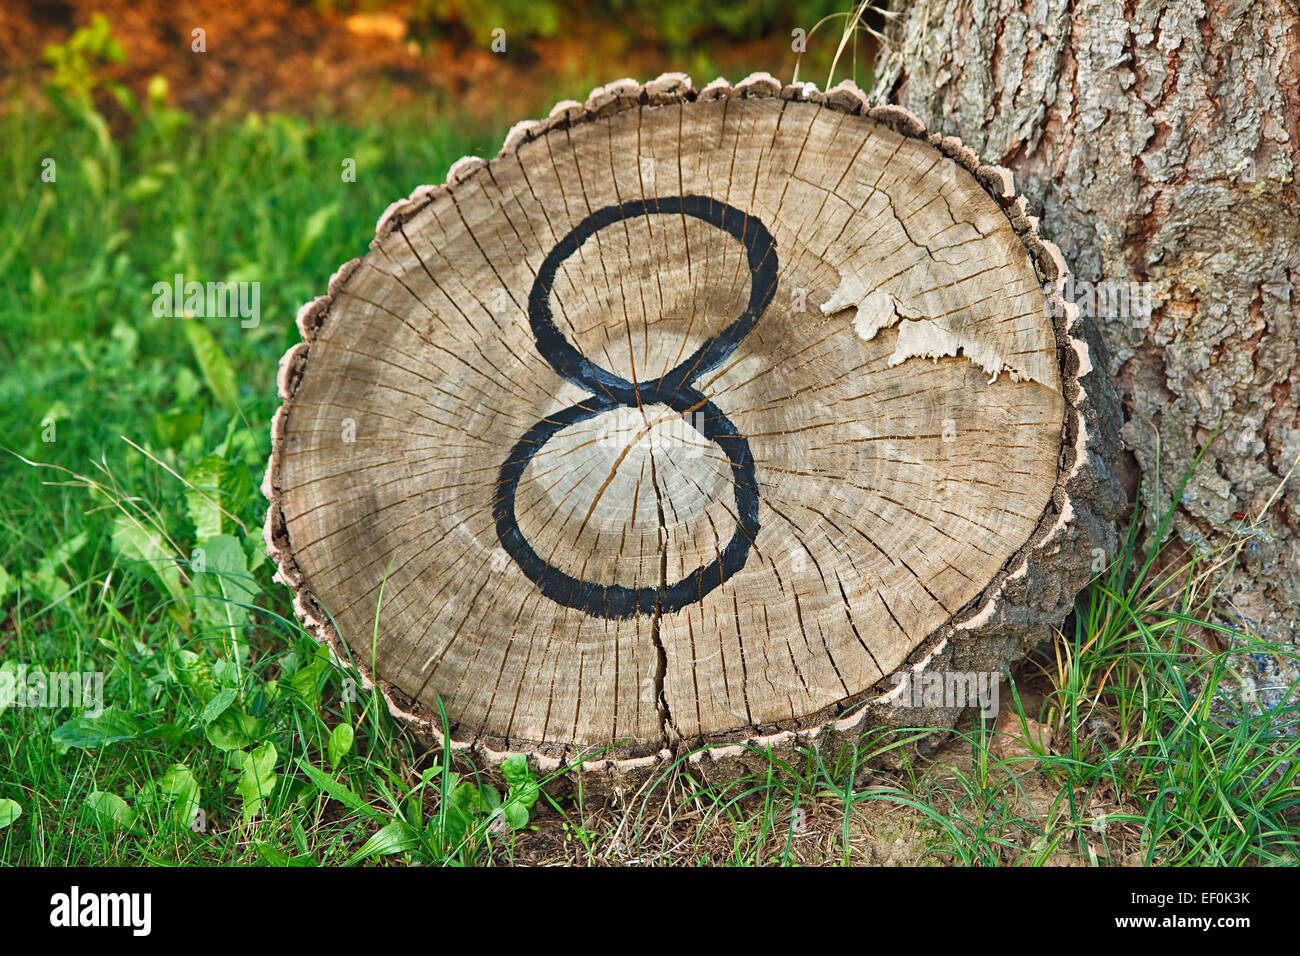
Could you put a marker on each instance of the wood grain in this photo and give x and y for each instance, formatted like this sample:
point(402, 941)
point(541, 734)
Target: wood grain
point(900, 398)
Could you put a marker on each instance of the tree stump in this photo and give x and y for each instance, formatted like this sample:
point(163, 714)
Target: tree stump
point(695, 417)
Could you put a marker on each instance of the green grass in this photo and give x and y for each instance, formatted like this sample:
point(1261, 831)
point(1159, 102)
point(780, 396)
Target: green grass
point(160, 436)
point(217, 701)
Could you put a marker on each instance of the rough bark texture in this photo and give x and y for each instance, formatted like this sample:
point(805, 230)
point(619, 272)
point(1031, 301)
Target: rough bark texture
point(1159, 143)
point(931, 302)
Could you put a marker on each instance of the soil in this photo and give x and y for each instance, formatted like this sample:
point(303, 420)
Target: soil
point(675, 825)
point(277, 55)
point(671, 827)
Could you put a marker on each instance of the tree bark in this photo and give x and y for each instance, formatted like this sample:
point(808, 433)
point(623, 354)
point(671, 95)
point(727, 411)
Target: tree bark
point(1159, 143)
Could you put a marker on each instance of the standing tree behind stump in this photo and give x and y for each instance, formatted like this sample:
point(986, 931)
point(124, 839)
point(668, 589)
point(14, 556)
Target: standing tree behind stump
point(693, 417)
point(1161, 142)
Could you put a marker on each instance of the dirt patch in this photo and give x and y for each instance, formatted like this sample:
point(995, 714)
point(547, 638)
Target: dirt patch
point(276, 55)
point(1018, 817)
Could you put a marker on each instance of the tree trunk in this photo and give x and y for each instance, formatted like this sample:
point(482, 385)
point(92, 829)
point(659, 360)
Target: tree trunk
point(1159, 142)
point(694, 417)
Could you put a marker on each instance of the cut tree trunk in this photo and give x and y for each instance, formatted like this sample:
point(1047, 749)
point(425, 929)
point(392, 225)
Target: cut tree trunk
point(1160, 142)
point(694, 418)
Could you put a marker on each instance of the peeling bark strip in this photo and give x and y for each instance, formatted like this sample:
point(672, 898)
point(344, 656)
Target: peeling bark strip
point(1161, 142)
point(625, 426)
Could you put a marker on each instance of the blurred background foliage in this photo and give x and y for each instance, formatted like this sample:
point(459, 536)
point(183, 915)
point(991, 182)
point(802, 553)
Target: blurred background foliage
point(677, 25)
point(362, 57)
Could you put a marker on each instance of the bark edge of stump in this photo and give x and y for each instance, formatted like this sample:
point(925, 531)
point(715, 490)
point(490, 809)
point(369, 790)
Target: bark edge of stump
point(1034, 589)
